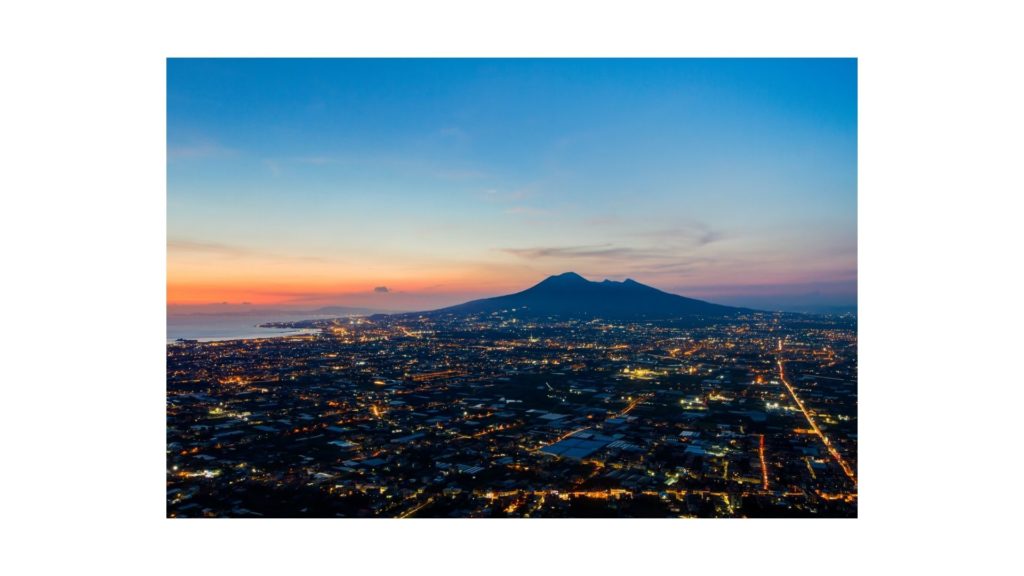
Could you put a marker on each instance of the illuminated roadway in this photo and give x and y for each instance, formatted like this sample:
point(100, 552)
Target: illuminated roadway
point(814, 425)
point(764, 469)
point(634, 404)
point(417, 508)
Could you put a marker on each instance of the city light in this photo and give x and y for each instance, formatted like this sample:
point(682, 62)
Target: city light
point(488, 418)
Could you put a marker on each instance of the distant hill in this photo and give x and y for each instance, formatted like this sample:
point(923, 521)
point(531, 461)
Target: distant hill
point(571, 295)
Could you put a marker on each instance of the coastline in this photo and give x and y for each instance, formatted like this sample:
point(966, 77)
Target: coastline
point(271, 333)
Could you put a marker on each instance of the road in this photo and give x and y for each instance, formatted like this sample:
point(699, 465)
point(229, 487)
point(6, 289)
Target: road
point(814, 425)
point(764, 468)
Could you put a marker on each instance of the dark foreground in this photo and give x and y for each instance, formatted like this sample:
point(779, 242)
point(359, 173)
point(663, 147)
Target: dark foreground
point(499, 416)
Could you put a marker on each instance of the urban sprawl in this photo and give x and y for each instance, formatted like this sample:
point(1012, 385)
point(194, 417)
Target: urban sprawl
point(499, 415)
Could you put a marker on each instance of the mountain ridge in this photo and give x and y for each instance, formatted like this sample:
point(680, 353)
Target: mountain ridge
point(571, 295)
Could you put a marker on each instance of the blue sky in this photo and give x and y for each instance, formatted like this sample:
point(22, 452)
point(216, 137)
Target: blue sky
point(314, 181)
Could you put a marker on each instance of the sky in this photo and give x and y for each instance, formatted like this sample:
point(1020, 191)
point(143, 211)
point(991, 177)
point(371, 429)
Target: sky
point(419, 183)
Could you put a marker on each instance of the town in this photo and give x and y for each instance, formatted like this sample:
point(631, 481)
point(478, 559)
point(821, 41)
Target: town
point(503, 415)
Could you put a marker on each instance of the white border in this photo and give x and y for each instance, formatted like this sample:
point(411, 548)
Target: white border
point(84, 243)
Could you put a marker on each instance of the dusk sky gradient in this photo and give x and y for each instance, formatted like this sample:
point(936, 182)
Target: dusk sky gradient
point(304, 183)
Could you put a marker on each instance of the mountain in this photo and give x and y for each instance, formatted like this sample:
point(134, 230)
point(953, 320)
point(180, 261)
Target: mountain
point(571, 295)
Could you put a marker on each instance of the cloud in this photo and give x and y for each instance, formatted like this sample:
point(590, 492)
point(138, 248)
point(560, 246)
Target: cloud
point(501, 196)
point(708, 237)
point(597, 251)
point(230, 251)
point(381, 289)
point(319, 160)
point(342, 159)
point(197, 151)
point(459, 174)
point(620, 260)
point(696, 234)
point(527, 211)
point(679, 265)
point(212, 248)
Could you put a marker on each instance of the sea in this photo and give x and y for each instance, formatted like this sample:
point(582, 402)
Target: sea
point(209, 327)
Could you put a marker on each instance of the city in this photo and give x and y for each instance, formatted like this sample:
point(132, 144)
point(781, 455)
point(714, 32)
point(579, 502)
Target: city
point(512, 288)
point(503, 415)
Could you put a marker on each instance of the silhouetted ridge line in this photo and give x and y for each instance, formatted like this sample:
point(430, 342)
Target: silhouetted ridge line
point(573, 296)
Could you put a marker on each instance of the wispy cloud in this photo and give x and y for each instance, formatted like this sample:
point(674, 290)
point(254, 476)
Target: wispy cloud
point(319, 160)
point(405, 163)
point(198, 150)
point(229, 251)
point(694, 234)
point(211, 248)
point(504, 196)
point(618, 260)
point(459, 174)
point(695, 237)
point(527, 211)
point(567, 252)
point(680, 265)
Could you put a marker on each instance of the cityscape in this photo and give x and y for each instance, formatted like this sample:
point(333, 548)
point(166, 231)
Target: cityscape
point(511, 288)
point(502, 414)
point(451, 287)
point(454, 287)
